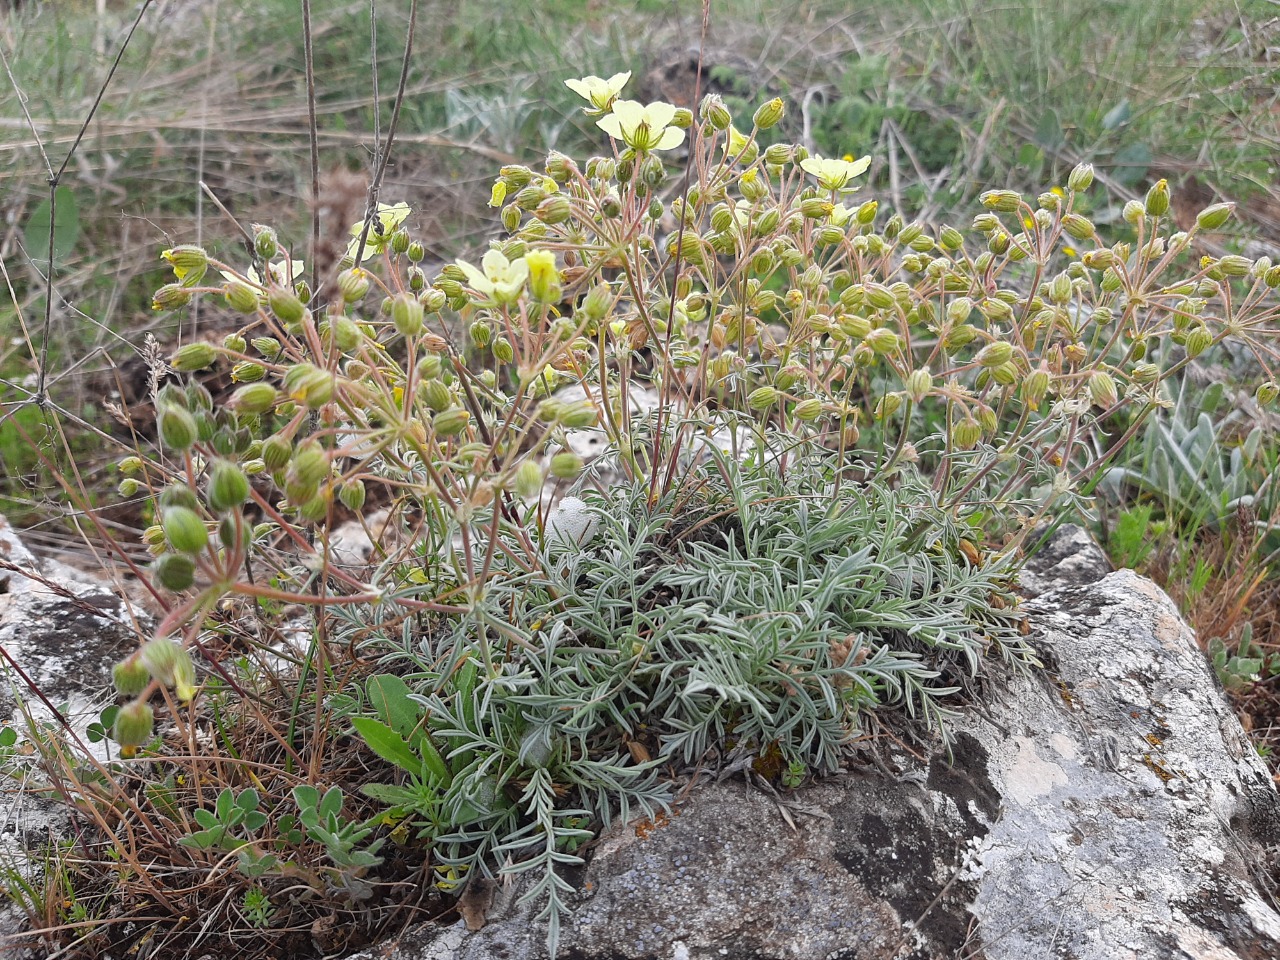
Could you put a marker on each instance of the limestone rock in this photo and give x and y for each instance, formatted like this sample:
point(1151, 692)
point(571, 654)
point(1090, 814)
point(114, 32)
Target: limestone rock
point(63, 630)
point(1109, 808)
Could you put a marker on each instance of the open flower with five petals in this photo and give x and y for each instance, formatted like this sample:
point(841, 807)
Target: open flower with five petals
point(600, 93)
point(835, 173)
point(642, 128)
point(499, 280)
point(385, 223)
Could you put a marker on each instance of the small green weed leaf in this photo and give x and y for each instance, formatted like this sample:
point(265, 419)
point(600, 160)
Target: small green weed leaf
point(1117, 116)
point(388, 744)
point(1029, 155)
point(391, 795)
point(66, 227)
point(1130, 163)
point(331, 802)
point(1049, 131)
point(389, 696)
point(1129, 541)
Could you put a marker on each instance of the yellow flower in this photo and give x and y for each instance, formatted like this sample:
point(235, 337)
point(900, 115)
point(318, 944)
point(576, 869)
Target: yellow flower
point(499, 280)
point(834, 174)
point(600, 93)
point(1058, 191)
point(388, 218)
point(544, 278)
point(642, 128)
point(1069, 251)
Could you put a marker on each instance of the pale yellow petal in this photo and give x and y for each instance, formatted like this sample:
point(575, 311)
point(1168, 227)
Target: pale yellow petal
point(671, 137)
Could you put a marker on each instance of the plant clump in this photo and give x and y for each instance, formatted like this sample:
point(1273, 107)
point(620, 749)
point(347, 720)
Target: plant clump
point(827, 433)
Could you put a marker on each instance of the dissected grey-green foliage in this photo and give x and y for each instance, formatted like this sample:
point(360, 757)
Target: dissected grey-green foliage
point(766, 607)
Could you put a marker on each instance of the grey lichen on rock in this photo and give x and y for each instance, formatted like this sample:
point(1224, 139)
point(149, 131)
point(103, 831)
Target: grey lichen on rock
point(1110, 807)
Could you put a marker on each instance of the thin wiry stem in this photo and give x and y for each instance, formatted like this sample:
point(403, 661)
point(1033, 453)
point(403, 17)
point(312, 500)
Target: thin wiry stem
point(384, 152)
point(55, 177)
point(313, 139)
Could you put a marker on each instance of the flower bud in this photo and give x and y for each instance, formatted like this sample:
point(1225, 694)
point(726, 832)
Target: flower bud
point(1077, 226)
point(228, 487)
point(310, 463)
point(1157, 201)
point(1102, 390)
point(919, 383)
point(994, 354)
point(1080, 178)
point(170, 297)
point(1145, 374)
point(406, 315)
point(1059, 289)
point(1199, 339)
point(133, 727)
point(1267, 393)
point(352, 494)
point(713, 110)
point(566, 465)
point(1214, 216)
point(481, 333)
point(816, 208)
point(286, 306)
point(597, 302)
point(1133, 212)
point(189, 263)
point(450, 423)
point(528, 479)
point(777, 154)
point(1099, 259)
point(883, 341)
point(240, 297)
point(555, 209)
point(887, 406)
point(253, 398)
point(177, 427)
point(503, 351)
point(1034, 388)
point(276, 451)
point(1003, 201)
point(163, 659)
point(769, 114)
point(193, 356)
point(966, 433)
point(437, 395)
point(265, 243)
point(175, 571)
point(184, 530)
point(1235, 266)
point(130, 677)
point(762, 398)
point(1005, 375)
point(578, 416)
point(308, 385)
point(353, 284)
